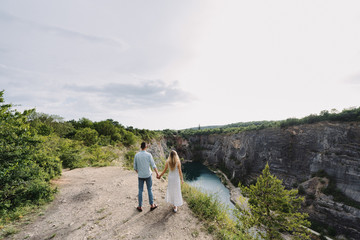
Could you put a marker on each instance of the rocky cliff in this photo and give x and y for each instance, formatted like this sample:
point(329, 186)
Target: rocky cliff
point(294, 155)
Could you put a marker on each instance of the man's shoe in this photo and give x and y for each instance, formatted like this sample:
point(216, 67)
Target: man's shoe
point(152, 208)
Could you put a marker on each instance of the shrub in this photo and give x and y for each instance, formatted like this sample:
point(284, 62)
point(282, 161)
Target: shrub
point(44, 130)
point(17, 147)
point(38, 190)
point(70, 155)
point(129, 160)
point(301, 190)
point(128, 138)
point(87, 135)
point(100, 156)
point(273, 209)
point(212, 213)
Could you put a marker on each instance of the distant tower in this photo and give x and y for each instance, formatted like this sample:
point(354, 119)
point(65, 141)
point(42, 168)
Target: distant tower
point(199, 127)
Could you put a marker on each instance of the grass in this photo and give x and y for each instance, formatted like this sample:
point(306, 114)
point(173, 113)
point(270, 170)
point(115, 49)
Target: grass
point(195, 234)
point(9, 231)
point(52, 236)
point(100, 210)
point(11, 221)
point(212, 214)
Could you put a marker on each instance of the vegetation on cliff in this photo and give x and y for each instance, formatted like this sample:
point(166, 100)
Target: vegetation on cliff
point(34, 147)
point(25, 164)
point(272, 209)
point(347, 115)
point(213, 214)
point(269, 211)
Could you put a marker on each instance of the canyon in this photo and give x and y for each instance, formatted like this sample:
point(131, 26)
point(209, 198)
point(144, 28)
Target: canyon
point(308, 156)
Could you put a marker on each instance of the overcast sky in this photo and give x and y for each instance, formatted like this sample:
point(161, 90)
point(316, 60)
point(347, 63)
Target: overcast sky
point(176, 64)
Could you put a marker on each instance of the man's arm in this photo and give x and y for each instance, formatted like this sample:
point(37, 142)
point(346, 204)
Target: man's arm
point(135, 164)
point(152, 162)
point(157, 173)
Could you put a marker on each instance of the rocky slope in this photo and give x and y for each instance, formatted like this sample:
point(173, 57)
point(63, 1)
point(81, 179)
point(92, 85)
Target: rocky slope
point(294, 154)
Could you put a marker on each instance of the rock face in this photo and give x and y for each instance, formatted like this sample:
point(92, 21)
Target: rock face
point(159, 150)
point(335, 216)
point(293, 154)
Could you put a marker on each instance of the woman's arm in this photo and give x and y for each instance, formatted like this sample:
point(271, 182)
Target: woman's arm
point(180, 172)
point(166, 167)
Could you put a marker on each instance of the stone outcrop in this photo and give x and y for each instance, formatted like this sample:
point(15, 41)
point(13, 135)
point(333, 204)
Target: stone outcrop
point(336, 217)
point(159, 150)
point(294, 154)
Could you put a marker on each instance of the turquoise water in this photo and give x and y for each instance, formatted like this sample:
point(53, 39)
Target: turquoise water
point(198, 175)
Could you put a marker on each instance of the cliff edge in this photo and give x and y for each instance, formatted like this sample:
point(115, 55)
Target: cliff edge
point(295, 155)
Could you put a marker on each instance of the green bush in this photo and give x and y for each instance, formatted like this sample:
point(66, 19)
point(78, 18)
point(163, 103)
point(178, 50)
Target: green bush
point(273, 209)
point(128, 138)
point(87, 135)
point(129, 160)
point(70, 155)
point(50, 164)
point(104, 140)
point(27, 163)
point(107, 128)
point(301, 190)
point(37, 190)
point(44, 130)
point(100, 156)
point(213, 214)
point(46, 124)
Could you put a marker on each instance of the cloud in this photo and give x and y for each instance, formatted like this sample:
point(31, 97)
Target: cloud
point(150, 94)
point(121, 45)
point(354, 79)
point(54, 30)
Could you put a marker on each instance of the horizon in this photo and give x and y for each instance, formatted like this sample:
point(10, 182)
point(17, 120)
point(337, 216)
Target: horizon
point(174, 65)
point(333, 110)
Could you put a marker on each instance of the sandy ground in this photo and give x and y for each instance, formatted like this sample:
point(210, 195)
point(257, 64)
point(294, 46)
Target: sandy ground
point(100, 203)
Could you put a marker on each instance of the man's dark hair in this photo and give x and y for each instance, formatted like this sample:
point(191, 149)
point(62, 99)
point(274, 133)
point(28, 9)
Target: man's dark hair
point(143, 145)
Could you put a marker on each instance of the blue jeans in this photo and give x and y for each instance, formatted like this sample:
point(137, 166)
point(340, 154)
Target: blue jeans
point(149, 189)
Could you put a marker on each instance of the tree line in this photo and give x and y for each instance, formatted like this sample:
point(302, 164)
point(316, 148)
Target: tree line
point(347, 115)
point(34, 147)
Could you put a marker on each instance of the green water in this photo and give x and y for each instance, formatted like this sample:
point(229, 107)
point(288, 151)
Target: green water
point(198, 175)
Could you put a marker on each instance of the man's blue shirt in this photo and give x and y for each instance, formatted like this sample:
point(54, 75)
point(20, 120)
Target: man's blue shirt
point(142, 162)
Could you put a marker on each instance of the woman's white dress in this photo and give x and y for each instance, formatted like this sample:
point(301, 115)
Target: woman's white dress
point(173, 194)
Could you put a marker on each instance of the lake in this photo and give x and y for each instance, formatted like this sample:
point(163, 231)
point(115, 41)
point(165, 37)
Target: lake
point(198, 175)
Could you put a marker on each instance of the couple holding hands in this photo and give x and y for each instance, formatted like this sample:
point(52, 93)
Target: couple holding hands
point(142, 162)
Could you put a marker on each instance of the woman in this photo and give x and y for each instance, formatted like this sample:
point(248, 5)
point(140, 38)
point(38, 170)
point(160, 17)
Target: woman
point(173, 194)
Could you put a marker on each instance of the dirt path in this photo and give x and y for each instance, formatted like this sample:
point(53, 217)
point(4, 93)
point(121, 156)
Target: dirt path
point(99, 203)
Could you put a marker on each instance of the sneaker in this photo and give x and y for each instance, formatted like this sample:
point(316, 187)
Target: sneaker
point(175, 209)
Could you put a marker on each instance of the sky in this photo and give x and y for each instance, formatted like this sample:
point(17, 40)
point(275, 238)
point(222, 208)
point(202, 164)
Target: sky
point(164, 64)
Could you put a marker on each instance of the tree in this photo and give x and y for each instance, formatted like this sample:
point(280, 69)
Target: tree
point(128, 138)
point(272, 209)
point(47, 124)
point(87, 135)
point(22, 176)
point(107, 128)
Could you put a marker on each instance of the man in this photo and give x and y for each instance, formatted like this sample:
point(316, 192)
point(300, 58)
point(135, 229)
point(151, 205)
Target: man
point(142, 162)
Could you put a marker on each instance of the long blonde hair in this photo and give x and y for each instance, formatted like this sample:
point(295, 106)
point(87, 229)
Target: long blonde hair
point(173, 159)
